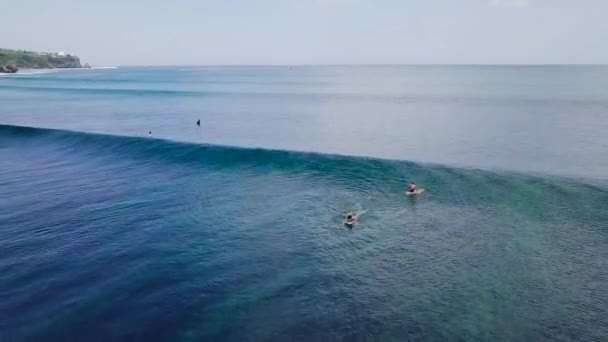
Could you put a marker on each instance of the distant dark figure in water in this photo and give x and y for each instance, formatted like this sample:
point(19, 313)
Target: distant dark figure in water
point(149, 133)
point(198, 123)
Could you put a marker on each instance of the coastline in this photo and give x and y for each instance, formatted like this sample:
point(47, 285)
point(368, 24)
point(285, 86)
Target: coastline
point(54, 70)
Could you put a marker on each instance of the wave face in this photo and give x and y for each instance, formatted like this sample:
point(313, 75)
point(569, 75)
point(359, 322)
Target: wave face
point(168, 240)
point(546, 120)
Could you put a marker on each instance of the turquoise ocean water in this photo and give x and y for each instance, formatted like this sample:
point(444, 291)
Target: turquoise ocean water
point(232, 231)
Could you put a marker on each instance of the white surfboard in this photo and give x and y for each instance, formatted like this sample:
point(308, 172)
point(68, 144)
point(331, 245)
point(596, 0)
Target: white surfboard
point(412, 193)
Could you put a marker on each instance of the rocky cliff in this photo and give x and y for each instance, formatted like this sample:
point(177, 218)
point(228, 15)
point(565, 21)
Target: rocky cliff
point(36, 60)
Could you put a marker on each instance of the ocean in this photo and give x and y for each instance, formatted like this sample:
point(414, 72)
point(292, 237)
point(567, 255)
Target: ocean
point(233, 231)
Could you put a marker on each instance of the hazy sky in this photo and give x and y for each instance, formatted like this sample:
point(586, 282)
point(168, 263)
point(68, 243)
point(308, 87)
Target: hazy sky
point(154, 32)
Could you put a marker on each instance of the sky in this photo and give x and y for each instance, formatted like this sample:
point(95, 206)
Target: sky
point(269, 32)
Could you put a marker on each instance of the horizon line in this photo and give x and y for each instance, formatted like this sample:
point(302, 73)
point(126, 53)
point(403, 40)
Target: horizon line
point(362, 64)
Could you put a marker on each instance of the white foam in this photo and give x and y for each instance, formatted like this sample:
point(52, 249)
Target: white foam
point(30, 72)
point(48, 71)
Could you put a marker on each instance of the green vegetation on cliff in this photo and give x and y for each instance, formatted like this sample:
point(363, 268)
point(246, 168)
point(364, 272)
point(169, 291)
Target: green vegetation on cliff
point(37, 60)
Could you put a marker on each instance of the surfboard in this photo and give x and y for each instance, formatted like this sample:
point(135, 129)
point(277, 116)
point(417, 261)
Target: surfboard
point(417, 192)
point(350, 223)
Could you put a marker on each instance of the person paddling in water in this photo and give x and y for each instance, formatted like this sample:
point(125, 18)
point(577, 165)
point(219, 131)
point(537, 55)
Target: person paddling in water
point(411, 188)
point(351, 218)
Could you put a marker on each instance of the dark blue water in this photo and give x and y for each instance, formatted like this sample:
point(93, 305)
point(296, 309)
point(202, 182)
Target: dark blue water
point(116, 236)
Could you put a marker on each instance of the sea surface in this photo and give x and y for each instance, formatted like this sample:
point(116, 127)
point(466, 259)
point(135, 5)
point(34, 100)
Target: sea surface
point(233, 231)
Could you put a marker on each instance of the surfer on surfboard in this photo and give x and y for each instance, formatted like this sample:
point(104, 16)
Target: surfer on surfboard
point(351, 219)
point(412, 189)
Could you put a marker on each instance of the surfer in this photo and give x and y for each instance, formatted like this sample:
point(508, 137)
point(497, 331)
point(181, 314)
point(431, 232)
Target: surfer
point(411, 188)
point(198, 123)
point(351, 219)
point(149, 133)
